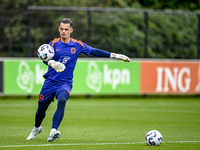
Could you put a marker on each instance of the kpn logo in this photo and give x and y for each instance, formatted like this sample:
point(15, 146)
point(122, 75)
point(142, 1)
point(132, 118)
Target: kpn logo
point(25, 77)
point(110, 76)
point(29, 75)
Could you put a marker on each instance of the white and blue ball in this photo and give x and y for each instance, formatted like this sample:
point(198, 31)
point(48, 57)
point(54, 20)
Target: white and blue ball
point(45, 52)
point(153, 137)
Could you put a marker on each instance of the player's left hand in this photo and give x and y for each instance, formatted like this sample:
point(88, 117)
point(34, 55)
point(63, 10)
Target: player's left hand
point(120, 57)
point(56, 65)
point(59, 67)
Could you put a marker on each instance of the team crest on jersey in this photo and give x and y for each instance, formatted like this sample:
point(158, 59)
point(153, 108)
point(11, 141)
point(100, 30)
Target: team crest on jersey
point(73, 50)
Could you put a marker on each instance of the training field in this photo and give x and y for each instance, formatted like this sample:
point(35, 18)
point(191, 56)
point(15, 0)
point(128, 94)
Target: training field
point(104, 124)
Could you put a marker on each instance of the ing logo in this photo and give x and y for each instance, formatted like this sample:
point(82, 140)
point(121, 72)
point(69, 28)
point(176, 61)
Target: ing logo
point(73, 50)
point(198, 82)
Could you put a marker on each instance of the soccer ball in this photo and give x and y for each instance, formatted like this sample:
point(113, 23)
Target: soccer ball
point(153, 137)
point(45, 52)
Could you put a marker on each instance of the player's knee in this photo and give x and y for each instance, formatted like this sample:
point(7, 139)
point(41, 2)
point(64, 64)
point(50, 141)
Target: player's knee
point(62, 97)
point(62, 101)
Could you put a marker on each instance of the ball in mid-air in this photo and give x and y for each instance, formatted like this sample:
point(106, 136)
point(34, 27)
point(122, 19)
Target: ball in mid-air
point(45, 52)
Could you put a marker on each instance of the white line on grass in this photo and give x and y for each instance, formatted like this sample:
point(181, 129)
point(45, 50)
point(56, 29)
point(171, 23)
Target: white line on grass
point(75, 144)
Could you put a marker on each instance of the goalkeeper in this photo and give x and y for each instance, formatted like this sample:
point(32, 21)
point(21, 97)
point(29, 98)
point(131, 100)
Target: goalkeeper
point(59, 76)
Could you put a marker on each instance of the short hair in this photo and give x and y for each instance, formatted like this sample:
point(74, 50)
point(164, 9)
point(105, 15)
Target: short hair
point(66, 20)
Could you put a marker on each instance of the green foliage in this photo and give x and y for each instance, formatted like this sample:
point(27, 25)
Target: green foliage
point(172, 36)
point(119, 32)
point(169, 36)
point(171, 4)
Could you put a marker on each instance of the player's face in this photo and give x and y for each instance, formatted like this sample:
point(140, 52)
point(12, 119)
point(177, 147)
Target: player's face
point(65, 31)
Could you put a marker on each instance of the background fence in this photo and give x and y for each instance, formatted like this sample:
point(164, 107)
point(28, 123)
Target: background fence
point(136, 33)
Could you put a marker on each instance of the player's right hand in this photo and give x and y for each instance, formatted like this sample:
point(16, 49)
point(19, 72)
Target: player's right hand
point(56, 65)
point(120, 57)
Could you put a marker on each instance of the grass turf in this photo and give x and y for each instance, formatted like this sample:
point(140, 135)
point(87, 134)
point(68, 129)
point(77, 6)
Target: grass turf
point(107, 123)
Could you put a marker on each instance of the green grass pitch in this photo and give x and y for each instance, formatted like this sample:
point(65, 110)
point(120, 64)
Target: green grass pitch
point(104, 124)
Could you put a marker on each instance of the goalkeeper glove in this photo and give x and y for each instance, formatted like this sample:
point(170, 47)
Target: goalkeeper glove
point(120, 57)
point(56, 65)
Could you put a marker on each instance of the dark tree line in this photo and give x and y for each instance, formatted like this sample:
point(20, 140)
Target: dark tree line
point(169, 36)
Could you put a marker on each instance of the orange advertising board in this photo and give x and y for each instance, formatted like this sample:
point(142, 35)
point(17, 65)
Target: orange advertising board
point(170, 77)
